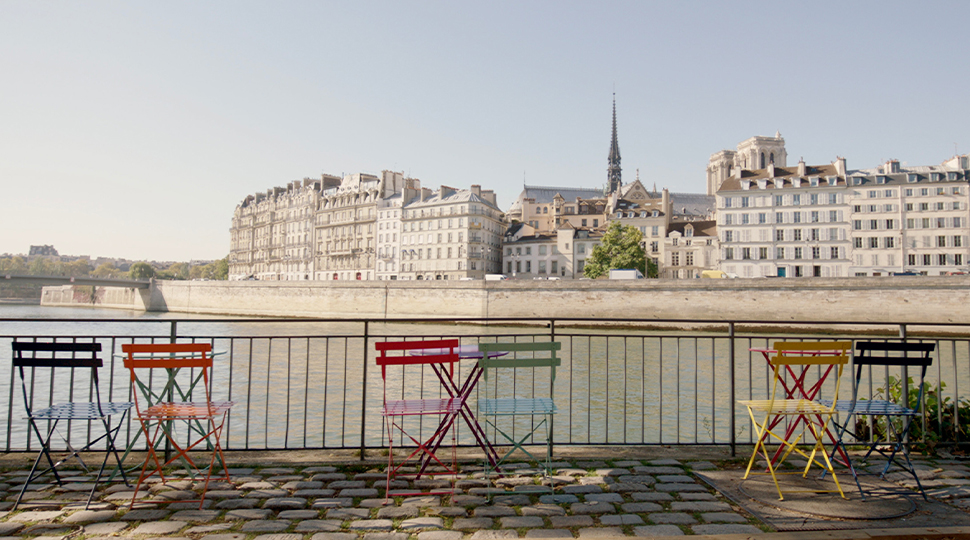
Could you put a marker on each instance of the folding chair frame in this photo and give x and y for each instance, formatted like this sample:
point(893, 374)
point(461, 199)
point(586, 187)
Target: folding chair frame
point(532, 407)
point(435, 353)
point(871, 353)
point(67, 355)
point(813, 414)
point(205, 419)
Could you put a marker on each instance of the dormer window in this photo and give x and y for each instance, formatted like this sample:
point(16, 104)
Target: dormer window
point(779, 183)
point(913, 177)
point(746, 184)
point(762, 184)
point(796, 182)
point(655, 213)
point(880, 179)
point(833, 180)
point(813, 181)
point(951, 176)
point(935, 177)
point(689, 232)
point(857, 181)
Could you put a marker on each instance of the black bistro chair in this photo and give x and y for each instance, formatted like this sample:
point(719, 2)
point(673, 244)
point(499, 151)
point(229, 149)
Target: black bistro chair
point(898, 415)
point(28, 358)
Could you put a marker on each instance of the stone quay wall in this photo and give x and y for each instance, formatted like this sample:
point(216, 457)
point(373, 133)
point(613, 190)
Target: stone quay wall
point(904, 299)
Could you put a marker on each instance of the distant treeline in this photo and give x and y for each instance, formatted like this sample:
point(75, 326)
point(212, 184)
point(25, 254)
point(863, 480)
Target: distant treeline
point(53, 266)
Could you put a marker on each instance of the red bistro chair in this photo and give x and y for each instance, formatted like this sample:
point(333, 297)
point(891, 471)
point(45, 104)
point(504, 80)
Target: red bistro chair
point(441, 356)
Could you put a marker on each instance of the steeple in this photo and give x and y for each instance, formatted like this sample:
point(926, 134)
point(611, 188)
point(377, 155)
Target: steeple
point(613, 171)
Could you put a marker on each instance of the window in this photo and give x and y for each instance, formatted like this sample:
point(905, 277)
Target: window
point(780, 253)
point(583, 223)
point(744, 202)
point(763, 253)
point(940, 241)
point(555, 267)
point(833, 234)
point(778, 200)
point(596, 223)
point(528, 266)
point(581, 248)
point(816, 252)
point(924, 206)
point(675, 259)
point(745, 253)
point(528, 250)
point(762, 218)
point(890, 224)
point(728, 236)
point(927, 259)
point(797, 235)
point(889, 242)
point(728, 253)
point(744, 219)
point(796, 217)
point(957, 241)
point(780, 235)
point(833, 216)
point(834, 253)
point(873, 242)
point(873, 224)
point(958, 259)
point(798, 271)
point(798, 253)
point(654, 230)
point(542, 267)
point(654, 247)
point(941, 259)
point(833, 198)
point(815, 217)
point(542, 250)
point(727, 202)
point(911, 259)
point(779, 217)
point(813, 234)
point(796, 199)
point(728, 219)
point(939, 206)
point(689, 258)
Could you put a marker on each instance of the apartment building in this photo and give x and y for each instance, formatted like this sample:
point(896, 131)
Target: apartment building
point(910, 219)
point(785, 222)
point(690, 247)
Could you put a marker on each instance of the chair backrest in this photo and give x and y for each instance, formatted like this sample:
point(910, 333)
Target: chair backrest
point(171, 357)
point(876, 353)
point(428, 351)
point(833, 354)
point(34, 354)
point(551, 361)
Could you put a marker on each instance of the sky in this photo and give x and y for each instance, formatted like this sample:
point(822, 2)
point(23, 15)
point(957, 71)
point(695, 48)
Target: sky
point(133, 129)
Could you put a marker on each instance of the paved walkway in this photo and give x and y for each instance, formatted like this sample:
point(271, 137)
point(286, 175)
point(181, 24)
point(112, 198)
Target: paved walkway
point(345, 501)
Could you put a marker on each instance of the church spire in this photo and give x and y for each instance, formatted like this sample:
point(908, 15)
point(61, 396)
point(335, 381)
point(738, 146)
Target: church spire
point(613, 171)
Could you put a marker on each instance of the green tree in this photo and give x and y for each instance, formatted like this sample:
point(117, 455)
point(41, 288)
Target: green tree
point(106, 270)
point(221, 269)
point(141, 270)
point(179, 270)
point(41, 266)
point(75, 268)
point(13, 266)
point(620, 248)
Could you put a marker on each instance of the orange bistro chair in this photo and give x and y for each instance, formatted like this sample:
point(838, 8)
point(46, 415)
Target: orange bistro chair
point(159, 409)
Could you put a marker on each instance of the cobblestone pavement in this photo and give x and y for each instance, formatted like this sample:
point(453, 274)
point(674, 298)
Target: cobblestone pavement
point(587, 499)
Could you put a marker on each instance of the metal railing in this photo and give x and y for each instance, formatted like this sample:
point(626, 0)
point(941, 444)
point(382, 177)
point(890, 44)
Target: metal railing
point(313, 383)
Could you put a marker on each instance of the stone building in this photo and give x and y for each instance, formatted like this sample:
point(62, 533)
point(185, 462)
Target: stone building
point(753, 153)
point(271, 237)
point(785, 222)
point(450, 234)
point(690, 247)
point(910, 219)
point(529, 254)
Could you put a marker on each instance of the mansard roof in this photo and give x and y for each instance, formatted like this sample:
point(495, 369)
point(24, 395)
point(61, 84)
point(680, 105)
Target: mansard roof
point(459, 196)
point(783, 174)
point(692, 204)
point(545, 194)
point(701, 228)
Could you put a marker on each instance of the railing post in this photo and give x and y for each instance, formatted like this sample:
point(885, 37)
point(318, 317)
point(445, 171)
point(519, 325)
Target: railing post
point(552, 426)
point(363, 394)
point(733, 439)
point(172, 335)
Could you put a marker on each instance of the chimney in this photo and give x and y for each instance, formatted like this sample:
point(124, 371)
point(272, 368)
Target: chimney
point(426, 194)
point(801, 167)
point(840, 166)
point(771, 170)
point(892, 166)
point(447, 191)
point(476, 190)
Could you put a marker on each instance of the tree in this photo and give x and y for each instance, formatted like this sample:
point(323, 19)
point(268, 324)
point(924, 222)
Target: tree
point(620, 248)
point(221, 271)
point(13, 265)
point(141, 270)
point(179, 270)
point(106, 270)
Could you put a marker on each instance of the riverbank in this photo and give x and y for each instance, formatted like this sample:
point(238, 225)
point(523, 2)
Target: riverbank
point(900, 299)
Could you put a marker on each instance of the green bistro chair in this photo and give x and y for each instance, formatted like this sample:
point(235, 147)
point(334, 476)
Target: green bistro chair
point(543, 355)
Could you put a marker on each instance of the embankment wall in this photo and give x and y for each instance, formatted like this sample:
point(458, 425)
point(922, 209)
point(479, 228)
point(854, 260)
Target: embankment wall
point(944, 299)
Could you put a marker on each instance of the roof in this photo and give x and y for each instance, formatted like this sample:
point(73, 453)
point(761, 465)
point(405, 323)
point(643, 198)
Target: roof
point(692, 204)
point(701, 228)
point(543, 194)
point(784, 174)
point(459, 196)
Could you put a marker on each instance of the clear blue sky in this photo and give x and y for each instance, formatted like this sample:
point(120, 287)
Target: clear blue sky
point(133, 129)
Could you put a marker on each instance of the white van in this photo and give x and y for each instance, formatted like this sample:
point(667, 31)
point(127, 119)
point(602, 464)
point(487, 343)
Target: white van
point(495, 277)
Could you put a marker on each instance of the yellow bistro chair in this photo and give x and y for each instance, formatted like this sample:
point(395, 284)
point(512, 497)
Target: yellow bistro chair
point(795, 405)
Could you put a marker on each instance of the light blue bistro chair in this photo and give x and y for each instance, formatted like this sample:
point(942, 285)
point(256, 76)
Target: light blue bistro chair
point(523, 355)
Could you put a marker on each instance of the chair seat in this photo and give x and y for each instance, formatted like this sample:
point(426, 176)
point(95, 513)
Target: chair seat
point(787, 406)
point(187, 410)
point(875, 407)
point(515, 406)
point(81, 411)
point(406, 407)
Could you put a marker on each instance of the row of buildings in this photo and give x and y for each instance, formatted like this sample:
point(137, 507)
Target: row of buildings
point(759, 218)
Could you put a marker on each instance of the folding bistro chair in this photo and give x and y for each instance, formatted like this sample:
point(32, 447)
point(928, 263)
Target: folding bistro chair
point(159, 409)
point(903, 355)
point(35, 355)
point(544, 407)
point(767, 414)
point(441, 356)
